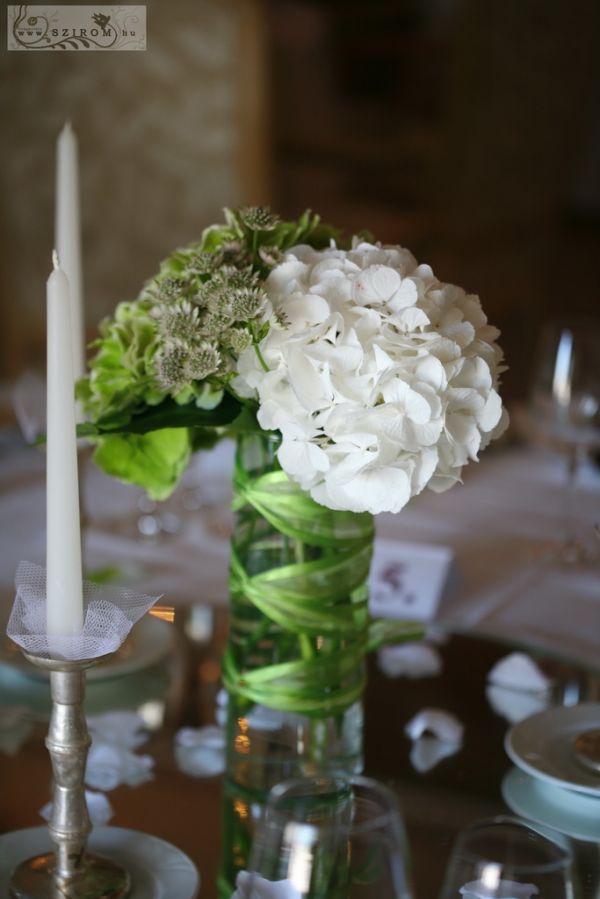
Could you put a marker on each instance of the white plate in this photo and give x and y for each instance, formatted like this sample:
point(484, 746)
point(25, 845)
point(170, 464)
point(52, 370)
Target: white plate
point(542, 745)
point(158, 870)
point(574, 814)
point(150, 640)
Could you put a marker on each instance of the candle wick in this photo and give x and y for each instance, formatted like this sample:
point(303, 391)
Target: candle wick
point(55, 261)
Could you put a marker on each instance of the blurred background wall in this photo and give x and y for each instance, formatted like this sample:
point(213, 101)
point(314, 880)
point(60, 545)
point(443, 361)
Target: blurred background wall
point(468, 130)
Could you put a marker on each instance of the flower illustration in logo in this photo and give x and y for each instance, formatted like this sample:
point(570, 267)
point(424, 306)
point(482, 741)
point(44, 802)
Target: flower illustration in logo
point(101, 20)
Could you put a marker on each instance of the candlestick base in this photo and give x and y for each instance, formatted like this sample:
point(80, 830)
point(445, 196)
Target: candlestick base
point(98, 878)
point(70, 872)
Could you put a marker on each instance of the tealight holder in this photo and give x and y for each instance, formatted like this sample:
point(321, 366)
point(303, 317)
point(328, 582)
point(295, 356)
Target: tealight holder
point(70, 872)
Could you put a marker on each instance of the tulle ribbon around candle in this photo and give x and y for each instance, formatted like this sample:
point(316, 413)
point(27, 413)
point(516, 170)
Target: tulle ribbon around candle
point(109, 615)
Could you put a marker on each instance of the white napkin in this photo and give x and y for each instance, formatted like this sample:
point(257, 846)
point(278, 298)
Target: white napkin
point(119, 728)
point(99, 808)
point(15, 728)
point(111, 766)
point(200, 751)
point(436, 734)
point(410, 660)
point(251, 886)
point(504, 889)
point(517, 688)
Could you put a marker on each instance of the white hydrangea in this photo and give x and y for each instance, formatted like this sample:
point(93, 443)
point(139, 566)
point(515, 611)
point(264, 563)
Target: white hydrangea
point(382, 381)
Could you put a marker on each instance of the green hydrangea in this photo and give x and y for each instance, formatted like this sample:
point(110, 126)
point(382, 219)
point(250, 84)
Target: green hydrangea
point(159, 383)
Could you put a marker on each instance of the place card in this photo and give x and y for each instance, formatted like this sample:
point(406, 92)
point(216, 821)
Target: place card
point(407, 580)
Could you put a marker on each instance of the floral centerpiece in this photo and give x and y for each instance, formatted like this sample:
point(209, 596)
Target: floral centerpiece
point(353, 379)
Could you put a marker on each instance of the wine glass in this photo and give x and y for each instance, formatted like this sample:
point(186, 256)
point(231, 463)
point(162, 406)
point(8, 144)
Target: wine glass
point(328, 838)
point(565, 407)
point(504, 858)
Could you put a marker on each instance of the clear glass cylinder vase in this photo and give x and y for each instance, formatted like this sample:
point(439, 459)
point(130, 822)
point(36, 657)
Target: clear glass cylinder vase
point(294, 667)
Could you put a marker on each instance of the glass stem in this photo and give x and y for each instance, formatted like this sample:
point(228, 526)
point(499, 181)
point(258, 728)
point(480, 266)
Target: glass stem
point(569, 499)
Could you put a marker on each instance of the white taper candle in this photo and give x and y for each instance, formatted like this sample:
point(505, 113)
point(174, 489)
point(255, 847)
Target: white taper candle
point(68, 237)
point(64, 594)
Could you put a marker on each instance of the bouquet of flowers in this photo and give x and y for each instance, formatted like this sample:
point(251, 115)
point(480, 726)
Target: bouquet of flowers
point(380, 379)
point(352, 378)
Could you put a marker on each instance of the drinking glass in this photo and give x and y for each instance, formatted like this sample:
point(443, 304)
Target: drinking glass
point(328, 838)
point(565, 407)
point(504, 858)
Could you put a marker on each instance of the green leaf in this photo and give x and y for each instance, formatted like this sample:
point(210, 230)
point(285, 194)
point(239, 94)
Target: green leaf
point(168, 414)
point(154, 461)
point(204, 438)
point(384, 631)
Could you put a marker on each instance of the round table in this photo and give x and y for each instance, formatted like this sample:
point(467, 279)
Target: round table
point(179, 688)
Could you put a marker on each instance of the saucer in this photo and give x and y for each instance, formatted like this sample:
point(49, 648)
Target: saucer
point(158, 870)
point(543, 746)
point(574, 814)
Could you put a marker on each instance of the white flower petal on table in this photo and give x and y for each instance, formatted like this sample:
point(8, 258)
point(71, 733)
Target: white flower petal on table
point(515, 705)
point(200, 751)
point(120, 728)
point(499, 889)
point(210, 736)
point(99, 808)
point(427, 752)
point(267, 720)
point(436, 722)
point(411, 660)
point(199, 761)
point(109, 766)
point(252, 886)
point(518, 671)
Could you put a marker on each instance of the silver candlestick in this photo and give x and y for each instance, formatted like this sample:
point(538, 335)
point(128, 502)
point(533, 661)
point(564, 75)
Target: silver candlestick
point(69, 872)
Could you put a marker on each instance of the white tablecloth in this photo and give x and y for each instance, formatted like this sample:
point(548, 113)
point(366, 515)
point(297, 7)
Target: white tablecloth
point(498, 524)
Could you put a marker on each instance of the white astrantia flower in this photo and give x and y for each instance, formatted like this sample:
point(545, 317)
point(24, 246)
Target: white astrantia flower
point(382, 379)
